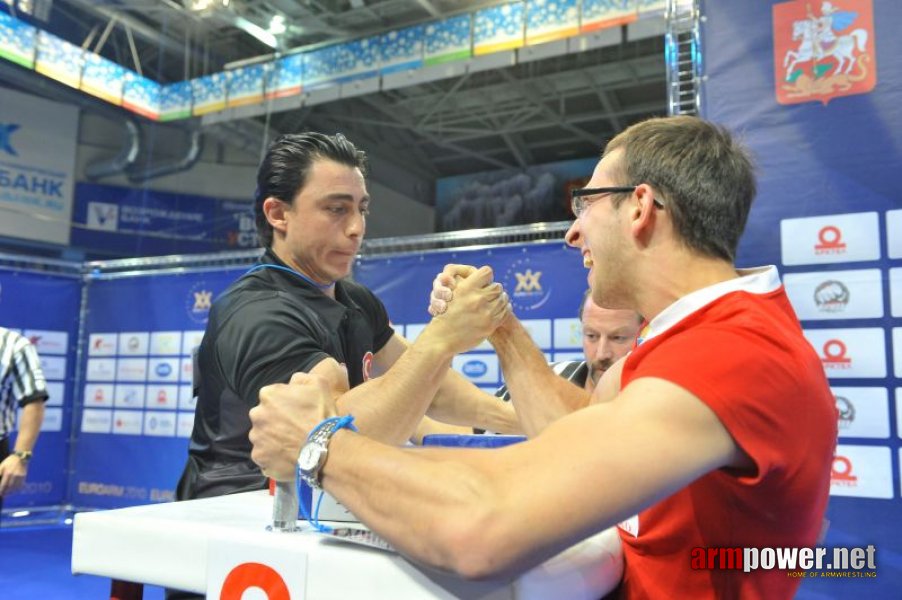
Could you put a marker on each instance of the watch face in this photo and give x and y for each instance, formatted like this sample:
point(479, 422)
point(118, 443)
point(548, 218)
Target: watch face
point(309, 457)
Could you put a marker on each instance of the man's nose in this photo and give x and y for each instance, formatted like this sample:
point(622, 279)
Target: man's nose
point(573, 235)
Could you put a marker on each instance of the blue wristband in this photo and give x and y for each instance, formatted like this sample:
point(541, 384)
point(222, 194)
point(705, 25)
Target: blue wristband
point(345, 422)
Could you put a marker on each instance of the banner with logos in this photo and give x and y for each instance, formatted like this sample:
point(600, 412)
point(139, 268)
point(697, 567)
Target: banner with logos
point(45, 308)
point(37, 164)
point(137, 406)
point(813, 89)
point(546, 283)
point(142, 222)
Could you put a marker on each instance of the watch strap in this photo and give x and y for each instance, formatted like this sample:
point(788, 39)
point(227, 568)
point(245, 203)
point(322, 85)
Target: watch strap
point(23, 455)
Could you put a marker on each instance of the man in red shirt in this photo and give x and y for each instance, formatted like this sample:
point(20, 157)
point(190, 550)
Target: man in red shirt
point(717, 431)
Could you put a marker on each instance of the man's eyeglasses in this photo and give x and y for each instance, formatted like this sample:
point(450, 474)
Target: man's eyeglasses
point(579, 197)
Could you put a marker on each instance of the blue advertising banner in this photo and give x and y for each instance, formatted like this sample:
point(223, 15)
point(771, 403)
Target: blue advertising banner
point(45, 308)
point(141, 222)
point(545, 282)
point(814, 90)
point(137, 408)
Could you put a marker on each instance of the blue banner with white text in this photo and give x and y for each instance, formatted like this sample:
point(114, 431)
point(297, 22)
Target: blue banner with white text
point(137, 408)
point(45, 308)
point(815, 90)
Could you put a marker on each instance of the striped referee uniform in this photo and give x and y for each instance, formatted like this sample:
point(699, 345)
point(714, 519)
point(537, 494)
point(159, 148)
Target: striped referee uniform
point(21, 381)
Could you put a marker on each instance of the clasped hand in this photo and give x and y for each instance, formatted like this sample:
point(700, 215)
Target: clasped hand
point(479, 305)
point(280, 423)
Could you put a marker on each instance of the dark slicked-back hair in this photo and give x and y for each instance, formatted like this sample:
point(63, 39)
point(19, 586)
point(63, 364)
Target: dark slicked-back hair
point(286, 166)
point(704, 177)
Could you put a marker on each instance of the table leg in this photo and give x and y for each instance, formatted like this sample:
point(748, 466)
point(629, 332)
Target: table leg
point(126, 590)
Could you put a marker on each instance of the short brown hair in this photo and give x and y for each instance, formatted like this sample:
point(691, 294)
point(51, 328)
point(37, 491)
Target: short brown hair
point(704, 177)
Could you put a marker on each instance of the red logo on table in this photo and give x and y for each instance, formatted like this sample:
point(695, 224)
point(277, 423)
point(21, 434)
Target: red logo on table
point(823, 50)
point(835, 355)
point(254, 575)
point(829, 241)
point(367, 365)
point(841, 472)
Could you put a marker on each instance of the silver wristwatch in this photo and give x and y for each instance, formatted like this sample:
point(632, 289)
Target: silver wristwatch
point(314, 452)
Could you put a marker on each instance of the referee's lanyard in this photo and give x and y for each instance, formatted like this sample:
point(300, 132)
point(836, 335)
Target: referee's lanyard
point(320, 286)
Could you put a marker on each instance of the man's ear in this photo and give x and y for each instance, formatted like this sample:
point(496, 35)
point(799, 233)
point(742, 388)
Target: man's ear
point(275, 210)
point(643, 214)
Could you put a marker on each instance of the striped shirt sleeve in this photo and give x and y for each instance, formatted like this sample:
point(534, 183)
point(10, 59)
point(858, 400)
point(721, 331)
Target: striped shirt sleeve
point(27, 378)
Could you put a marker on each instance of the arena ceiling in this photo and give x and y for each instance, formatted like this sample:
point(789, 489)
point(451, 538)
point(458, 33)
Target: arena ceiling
point(556, 108)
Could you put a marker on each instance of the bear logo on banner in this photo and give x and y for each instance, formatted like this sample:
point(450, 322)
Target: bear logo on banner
point(825, 51)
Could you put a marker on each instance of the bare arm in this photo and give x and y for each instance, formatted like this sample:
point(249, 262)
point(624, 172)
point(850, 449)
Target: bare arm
point(389, 408)
point(539, 396)
point(13, 470)
point(496, 513)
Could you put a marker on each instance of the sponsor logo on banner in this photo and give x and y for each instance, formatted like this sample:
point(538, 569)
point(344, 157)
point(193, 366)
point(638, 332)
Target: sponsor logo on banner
point(98, 395)
point(830, 239)
point(159, 423)
point(834, 356)
point(823, 50)
point(831, 296)
point(836, 295)
point(474, 368)
point(862, 412)
point(103, 216)
point(6, 138)
point(102, 344)
point(165, 342)
point(478, 368)
point(198, 302)
point(133, 343)
point(845, 412)
point(162, 396)
point(164, 369)
point(129, 396)
point(48, 342)
point(132, 369)
point(127, 422)
point(54, 367)
point(847, 353)
point(526, 282)
point(862, 472)
point(96, 420)
point(101, 369)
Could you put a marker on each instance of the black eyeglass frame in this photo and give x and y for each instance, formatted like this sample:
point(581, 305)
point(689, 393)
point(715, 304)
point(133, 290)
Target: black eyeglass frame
point(578, 206)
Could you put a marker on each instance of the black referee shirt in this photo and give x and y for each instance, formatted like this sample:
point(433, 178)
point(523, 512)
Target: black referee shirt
point(267, 326)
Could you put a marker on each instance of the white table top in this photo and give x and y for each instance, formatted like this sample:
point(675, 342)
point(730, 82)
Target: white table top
point(169, 545)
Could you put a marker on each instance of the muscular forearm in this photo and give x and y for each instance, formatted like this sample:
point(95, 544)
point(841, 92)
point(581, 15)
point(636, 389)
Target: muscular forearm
point(389, 408)
point(433, 510)
point(539, 396)
point(29, 426)
point(460, 402)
